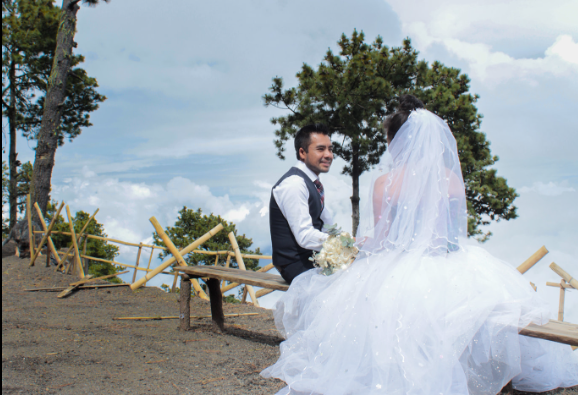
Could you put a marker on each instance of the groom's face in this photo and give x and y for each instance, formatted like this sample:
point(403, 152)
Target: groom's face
point(319, 156)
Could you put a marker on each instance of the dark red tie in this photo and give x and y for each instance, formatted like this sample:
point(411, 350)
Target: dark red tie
point(319, 187)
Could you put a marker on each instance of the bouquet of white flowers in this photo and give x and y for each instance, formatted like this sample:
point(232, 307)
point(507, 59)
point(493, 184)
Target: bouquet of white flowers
point(338, 251)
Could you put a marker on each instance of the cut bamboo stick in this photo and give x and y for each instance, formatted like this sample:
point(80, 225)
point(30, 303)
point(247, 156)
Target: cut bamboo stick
point(558, 285)
point(263, 292)
point(177, 257)
point(81, 232)
point(46, 235)
point(30, 229)
point(88, 286)
point(150, 260)
point(562, 273)
point(535, 258)
point(85, 263)
point(137, 262)
point(72, 287)
point(43, 224)
point(172, 260)
point(177, 317)
point(561, 303)
point(74, 243)
point(93, 279)
point(121, 264)
point(241, 265)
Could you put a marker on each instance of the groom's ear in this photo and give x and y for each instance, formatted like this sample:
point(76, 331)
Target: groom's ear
point(302, 154)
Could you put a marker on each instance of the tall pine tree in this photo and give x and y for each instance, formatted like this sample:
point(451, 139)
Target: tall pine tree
point(352, 92)
point(29, 30)
point(50, 132)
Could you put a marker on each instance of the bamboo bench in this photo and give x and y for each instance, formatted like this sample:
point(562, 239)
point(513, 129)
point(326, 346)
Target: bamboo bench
point(557, 331)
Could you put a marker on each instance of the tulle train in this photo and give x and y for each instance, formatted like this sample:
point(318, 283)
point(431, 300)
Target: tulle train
point(409, 324)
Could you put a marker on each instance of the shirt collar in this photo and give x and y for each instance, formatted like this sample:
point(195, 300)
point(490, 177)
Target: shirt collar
point(303, 167)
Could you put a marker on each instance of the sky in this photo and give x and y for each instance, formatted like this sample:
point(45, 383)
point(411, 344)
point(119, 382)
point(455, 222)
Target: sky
point(185, 124)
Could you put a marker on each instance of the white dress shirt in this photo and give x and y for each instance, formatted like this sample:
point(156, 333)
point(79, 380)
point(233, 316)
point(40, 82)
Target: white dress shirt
point(292, 197)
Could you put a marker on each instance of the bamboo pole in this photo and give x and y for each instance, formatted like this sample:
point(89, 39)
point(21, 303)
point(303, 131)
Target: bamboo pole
point(179, 258)
point(562, 273)
point(535, 258)
point(91, 258)
point(81, 232)
point(562, 297)
point(137, 262)
point(177, 317)
point(558, 285)
point(84, 253)
point(90, 286)
point(217, 261)
point(263, 292)
point(234, 285)
point(43, 224)
point(150, 260)
point(169, 262)
point(74, 243)
point(241, 264)
point(47, 235)
point(30, 229)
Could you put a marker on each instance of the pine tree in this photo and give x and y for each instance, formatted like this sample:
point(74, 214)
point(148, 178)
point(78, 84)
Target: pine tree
point(49, 134)
point(354, 91)
point(29, 30)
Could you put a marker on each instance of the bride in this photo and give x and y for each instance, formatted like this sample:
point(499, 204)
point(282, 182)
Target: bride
point(420, 311)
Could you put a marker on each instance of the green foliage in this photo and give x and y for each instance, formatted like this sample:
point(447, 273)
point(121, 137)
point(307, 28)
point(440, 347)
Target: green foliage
point(231, 299)
point(29, 31)
point(354, 91)
point(95, 248)
point(5, 181)
point(23, 185)
point(191, 225)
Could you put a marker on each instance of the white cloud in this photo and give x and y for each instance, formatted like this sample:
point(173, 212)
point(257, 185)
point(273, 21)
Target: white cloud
point(548, 189)
point(468, 29)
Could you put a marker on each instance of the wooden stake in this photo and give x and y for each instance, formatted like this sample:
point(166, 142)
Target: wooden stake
point(46, 235)
point(244, 297)
point(30, 229)
point(241, 264)
point(43, 224)
point(172, 260)
point(176, 254)
point(185, 303)
point(81, 232)
point(216, 303)
point(561, 304)
point(74, 243)
point(87, 279)
point(562, 273)
point(137, 262)
point(535, 258)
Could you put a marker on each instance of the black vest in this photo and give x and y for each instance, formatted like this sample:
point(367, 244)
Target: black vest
point(290, 258)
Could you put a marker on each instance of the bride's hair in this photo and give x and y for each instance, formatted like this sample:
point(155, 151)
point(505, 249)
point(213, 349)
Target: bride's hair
point(407, 104)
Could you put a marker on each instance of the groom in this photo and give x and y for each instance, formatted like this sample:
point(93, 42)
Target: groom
point(297, 208)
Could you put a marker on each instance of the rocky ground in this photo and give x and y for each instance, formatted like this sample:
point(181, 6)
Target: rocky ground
point(73, 345)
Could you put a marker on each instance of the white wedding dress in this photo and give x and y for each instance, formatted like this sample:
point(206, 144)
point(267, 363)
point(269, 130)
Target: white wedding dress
point(420, 311)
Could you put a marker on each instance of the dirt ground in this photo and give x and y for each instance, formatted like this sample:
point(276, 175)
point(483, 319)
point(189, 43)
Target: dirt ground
point(73, 345)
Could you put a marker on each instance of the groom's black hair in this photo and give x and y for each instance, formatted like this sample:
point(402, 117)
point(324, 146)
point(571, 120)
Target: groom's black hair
point(303, 136)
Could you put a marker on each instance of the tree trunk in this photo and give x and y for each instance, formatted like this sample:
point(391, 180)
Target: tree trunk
point(53, 106)
point(12, 155)
point(355, 196)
